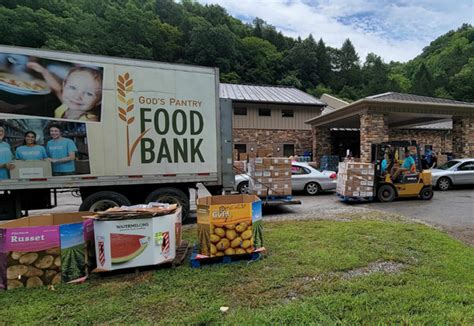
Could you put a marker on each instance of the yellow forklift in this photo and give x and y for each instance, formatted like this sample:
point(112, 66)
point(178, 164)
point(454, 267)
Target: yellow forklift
point(407, 184)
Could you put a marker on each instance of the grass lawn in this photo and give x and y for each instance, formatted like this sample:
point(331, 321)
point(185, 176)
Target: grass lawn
point(306, 278)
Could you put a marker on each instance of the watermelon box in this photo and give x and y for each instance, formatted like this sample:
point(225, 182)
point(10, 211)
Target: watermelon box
point(46, 250)
point(136, 242)
point(229, 225)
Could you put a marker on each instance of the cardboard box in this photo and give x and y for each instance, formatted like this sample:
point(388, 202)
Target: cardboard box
point(46, 250)
point(31, 169)
point(229, 225)
point(137, 242)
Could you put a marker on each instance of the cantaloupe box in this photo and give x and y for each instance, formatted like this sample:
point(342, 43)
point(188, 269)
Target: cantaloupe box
point(46, 250)
point(229, 225)
point(136, 242)
point(30, 169)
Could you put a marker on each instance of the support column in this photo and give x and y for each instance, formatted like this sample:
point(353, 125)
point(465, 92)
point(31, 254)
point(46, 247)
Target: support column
point(463, 137)
point(321, 143)
point(373, 129)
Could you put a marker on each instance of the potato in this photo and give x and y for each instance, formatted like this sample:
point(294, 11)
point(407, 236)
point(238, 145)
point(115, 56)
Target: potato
point(229, 251)
point(246, 234)
point(230, 226)
point(212, 228)
point(53, 251)
point(241, 227)
point(28, 258)
point(50, 274)
point(245, 244)
point(236, 242)
point(34, 282)
point(16, 271)
point(240, 251)
point(56, 279)
point(44, 262)
point(16, 254)
point(57, 261)
point(33, 271)
point(219, 254)
point(13, 284)
point(215, 238)
point(223, 244)
point(230, 234)
point(220, 232)
point(249, 250)
point(213, 249)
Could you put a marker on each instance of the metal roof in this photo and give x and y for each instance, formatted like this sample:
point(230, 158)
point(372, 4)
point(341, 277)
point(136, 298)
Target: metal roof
point(402, 97)
point(267, 94)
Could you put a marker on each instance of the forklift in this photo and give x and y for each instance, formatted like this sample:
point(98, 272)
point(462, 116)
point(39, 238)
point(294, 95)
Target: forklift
point(407, 184)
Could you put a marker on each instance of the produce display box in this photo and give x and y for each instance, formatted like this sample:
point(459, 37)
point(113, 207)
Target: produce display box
point(46, 250)
point(270, 176)
point(31, 169)
point(229, 225)
point(355, 179)
point(126, 243)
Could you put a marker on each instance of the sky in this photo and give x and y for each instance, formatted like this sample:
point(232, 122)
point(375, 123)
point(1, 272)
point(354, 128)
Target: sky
point(395, 30)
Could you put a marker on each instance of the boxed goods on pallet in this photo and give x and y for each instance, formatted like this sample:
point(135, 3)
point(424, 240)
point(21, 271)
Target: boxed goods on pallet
point(355, 179)
point(137, 236)
point(46, 250)
point(240, 167)
point(229, 225)
point(270, 176)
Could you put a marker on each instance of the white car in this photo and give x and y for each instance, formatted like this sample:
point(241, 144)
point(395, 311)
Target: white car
point(303, 178)
point(454, 172)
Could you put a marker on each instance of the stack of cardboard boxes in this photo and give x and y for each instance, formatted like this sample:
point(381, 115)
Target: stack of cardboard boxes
point(355, 179)
point(270, 176)
point(240, 167)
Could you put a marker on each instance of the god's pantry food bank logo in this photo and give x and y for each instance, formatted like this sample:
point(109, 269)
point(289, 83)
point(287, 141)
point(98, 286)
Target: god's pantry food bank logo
point(177, 133)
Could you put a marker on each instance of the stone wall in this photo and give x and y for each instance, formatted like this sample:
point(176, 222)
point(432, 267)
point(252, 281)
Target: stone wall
point(441, 140)
point(373, 130)
point(463, 137)
point(321, 143)
point(273, 139)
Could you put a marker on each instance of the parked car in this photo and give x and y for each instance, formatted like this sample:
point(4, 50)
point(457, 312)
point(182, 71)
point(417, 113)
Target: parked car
point(454, 172)
point(304, 177)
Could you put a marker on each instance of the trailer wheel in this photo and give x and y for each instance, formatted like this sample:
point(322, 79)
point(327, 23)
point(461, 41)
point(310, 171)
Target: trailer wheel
point(102, 200)
point(171, 196)
point(386, 193)
point(426, 193)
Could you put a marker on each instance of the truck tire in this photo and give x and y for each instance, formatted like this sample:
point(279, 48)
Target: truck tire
point(386, 193)
point(102, 200)
point(171, 196)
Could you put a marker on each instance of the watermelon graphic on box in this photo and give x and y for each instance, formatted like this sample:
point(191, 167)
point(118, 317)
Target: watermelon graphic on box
point(125, 247)
point(136, 242)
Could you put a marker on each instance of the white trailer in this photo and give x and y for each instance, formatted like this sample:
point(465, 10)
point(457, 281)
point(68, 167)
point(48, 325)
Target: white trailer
point(147, 130)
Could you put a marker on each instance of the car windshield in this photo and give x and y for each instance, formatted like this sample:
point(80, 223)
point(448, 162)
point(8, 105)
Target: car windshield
point(447, 165)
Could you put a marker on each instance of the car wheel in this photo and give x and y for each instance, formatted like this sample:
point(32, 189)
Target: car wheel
point(426, 193)
point(386, 193)
point(312, 188)
point(444, 183)
point(243, 187)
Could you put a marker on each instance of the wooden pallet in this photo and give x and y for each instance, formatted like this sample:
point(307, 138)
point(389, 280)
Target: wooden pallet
point(198, 261)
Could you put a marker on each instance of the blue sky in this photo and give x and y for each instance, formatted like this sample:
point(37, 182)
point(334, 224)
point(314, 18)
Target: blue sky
point(396, 30)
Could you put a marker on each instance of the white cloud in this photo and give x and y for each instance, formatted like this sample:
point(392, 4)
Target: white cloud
point(395, 30)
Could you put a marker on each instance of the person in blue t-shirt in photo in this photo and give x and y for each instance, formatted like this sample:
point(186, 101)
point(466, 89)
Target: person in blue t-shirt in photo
point(30, 150)
point(61, 152)
point(6, 157)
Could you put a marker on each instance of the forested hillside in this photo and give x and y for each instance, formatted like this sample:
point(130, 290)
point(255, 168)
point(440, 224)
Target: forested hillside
point(188, 32)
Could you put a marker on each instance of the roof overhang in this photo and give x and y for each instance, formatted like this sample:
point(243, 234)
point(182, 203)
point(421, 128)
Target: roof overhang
point(400, 114)
point(280, 103)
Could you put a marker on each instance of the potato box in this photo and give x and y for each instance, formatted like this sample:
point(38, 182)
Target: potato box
point(125, 243)
point(229, 225)
point(46, 250)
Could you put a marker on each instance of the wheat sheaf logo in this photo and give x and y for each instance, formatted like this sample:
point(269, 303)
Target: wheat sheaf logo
point(125, 108)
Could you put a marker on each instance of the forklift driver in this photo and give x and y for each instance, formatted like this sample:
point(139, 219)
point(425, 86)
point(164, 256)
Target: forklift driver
point(408, 165)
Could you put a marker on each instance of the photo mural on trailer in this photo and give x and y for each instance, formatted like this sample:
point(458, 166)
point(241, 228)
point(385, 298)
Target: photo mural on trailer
point(43, 87)
point(39, 148)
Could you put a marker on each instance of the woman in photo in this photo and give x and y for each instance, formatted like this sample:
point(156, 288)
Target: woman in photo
point(30, 150)
point(6, 157)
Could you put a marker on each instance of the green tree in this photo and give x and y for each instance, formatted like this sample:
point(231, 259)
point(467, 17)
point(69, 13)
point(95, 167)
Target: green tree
point(260, 60)
point(422, 82)
point(303, 59)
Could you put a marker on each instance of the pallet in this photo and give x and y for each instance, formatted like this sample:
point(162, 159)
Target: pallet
point(358, 199)
point(181, 254)
point(274, 197)
point(197, 261)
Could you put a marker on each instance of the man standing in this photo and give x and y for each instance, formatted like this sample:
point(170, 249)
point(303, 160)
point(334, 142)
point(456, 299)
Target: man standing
point(61, 152)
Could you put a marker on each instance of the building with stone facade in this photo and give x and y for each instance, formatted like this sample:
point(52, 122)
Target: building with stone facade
point(445, 126)
point(271, 118)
